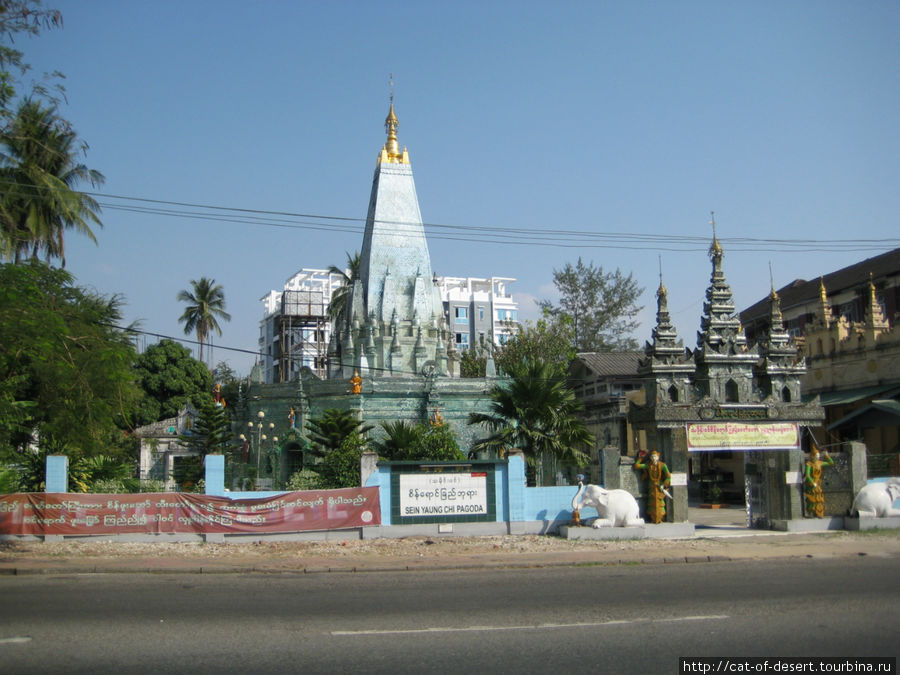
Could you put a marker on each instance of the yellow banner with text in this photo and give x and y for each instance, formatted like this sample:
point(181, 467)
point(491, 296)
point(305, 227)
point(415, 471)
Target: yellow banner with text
point(707, 436)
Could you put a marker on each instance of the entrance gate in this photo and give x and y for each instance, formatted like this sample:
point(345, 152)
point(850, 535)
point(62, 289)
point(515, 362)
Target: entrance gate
point(756, 465)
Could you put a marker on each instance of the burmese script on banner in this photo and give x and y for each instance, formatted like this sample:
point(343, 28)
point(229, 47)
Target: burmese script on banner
point(743, 436)
point(180, 512)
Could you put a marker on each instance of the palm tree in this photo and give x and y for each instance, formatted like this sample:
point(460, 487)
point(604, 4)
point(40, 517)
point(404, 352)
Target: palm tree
point(341, 296)
point(206, 304)
point(39, 171)
point(536, 413)
point(400, 439)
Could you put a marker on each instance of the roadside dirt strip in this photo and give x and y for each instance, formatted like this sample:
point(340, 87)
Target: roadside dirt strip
point(97, 555)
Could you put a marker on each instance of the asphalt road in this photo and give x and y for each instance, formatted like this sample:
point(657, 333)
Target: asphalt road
point(616, 619)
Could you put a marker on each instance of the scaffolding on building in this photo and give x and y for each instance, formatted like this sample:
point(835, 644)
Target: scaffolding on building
point(302, 334)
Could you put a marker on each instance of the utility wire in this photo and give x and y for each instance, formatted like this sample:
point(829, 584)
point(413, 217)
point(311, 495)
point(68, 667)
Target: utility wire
point(553, 237)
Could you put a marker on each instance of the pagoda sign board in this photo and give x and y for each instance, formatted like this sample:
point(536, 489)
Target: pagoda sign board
point(708, 436)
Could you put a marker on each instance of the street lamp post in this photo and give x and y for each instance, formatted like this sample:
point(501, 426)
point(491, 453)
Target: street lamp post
point(258, 427)
point(274, 459)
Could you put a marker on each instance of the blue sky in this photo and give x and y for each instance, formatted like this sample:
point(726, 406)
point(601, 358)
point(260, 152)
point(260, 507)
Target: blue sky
point(604, 117)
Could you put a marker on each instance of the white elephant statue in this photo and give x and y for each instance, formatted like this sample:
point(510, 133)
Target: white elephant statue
point(876, 500)
point(616, 508)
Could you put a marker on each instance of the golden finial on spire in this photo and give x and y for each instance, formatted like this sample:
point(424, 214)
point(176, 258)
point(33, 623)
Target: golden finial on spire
point(714, 248)
point(873, 299)
point(772, 294)
point(662, 289)
point(391, 151)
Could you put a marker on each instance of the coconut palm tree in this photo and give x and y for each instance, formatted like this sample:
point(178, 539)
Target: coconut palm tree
point(40, 172)
point(341, 296)
point(205, 305)
point(536, 413)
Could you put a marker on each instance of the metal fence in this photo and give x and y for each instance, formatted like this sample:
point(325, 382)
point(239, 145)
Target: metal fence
point(883, 465)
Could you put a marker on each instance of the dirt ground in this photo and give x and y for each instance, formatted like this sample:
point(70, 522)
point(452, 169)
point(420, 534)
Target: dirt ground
point(103, 555)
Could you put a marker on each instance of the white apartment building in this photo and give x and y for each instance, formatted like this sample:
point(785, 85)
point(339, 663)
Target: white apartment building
point(479, 310)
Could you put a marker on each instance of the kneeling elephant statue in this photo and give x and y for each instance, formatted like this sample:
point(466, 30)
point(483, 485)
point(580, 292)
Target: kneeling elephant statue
point(876, 500)
point(616, 508)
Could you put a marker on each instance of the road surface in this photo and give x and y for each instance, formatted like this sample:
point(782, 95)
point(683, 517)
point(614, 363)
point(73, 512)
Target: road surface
point(609, 619)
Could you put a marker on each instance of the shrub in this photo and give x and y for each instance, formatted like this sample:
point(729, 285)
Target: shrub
point(304, 480)
point(340, 468)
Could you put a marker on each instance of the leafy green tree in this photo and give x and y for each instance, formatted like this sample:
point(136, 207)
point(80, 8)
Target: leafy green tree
point(547, 341)
point(15, 414)
point(600, 305)
point(205, 306)
point(41, 173)
point(438, 444)
point(170, 378)
point(536, 413)
point(340, 467)
point(66, 369)
point(9, 480)
point(472, 363)
point(328, 432)
point(341, 296)
point(23, 17)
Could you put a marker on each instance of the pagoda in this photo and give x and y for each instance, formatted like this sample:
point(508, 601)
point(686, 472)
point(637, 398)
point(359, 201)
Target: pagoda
point(393, 324)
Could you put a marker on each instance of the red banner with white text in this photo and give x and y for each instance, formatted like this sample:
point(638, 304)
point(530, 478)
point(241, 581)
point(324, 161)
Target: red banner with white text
point(41, 513)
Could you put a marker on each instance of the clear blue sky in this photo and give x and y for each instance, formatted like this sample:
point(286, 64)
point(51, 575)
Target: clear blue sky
point(606, 117)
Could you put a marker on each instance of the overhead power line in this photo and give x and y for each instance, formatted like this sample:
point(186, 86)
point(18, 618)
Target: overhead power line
point(557, 237)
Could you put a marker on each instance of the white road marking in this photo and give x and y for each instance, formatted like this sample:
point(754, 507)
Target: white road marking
point(14, 640)
point(541, 626)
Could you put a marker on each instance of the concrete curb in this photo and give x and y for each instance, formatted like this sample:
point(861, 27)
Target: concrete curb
point(401, 568)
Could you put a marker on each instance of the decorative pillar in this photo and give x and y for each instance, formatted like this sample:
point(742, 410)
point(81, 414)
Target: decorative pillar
point(515, 491)
point(676, 458)
point(368, 465)
point(57, 474)
point(214, 468)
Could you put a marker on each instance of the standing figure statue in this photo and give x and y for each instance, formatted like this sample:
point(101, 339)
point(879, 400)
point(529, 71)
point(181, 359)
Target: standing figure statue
point(658, 479)
point(356, 383)
point(812, 482)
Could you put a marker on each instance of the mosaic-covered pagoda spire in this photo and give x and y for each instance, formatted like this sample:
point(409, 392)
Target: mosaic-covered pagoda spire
point(780, 367)
point(724, 364)
point(666, 366)
point(664, 335)
point(395, 316)
point(720, 326)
